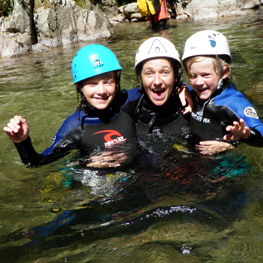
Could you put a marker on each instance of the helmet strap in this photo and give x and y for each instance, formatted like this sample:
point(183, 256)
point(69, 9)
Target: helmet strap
point(83, 99)
point(118, 81)
point(141, 87)
point(218, 65)
point(176, 88)
point(220, 84)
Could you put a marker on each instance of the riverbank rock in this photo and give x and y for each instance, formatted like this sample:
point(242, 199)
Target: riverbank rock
point(60, 24)
point(63, 22)
point(127, 13)
point(209, 9)
point(15, 36)
point(64, 25)
point(248, 4)
point(196, 9)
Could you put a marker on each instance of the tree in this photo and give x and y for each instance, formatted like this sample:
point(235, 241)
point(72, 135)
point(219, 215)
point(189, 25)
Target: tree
point(33, 32)
point(29, 8)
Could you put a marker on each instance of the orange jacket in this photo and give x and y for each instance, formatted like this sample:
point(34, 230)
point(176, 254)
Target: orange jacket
point(163, 14)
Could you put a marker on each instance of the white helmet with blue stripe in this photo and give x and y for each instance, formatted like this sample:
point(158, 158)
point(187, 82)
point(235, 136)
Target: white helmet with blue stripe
point(207, 43)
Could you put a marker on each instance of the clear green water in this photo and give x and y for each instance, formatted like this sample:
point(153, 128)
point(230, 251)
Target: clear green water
point(139, 216)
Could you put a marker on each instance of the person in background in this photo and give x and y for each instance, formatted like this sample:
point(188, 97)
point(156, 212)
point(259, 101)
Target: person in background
point(173, 5)
point(221, 112)
point(159, 20)
point(98, 123)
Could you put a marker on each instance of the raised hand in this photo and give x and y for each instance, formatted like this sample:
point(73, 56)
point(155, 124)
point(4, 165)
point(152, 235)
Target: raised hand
point(17, 129)
point(186, 99)
point(238, 131)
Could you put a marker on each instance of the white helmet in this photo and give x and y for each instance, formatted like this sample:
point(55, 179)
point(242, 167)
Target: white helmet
point(207, 42)
point(156, 47)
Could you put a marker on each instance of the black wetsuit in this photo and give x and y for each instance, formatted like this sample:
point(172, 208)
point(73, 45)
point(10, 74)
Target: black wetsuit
point(159, 126)
point(87, 129)
point(211, 117)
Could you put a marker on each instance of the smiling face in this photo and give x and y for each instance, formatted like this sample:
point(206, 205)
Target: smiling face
point(157, 77)
point(100, 90)
point(203, 77)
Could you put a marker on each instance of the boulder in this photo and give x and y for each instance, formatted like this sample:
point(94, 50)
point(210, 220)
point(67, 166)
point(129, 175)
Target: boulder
point(208, 9)
point(61, 24)
point(64, 22)
point(12, 44)
point(131, 12)
point(248, 4)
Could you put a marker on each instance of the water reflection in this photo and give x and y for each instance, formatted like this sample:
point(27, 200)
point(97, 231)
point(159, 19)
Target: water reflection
point(129, 203)
point(170, 205)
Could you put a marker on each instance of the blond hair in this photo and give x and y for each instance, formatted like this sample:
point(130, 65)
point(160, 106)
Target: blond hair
point(222, 63)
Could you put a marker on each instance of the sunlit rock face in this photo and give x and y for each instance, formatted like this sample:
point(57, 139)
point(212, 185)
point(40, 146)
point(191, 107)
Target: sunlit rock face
point(61, 24)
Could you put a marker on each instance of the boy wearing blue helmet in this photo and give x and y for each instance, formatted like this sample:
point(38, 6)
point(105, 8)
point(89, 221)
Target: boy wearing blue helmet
point(98, 123)
point(221, 112)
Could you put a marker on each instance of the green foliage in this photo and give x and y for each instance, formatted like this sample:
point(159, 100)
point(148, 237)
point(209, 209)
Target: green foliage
point(24, 4)
point(118, 2)
point(94, 2)
point(124, 2)
point(81, 3)
point(6, 7)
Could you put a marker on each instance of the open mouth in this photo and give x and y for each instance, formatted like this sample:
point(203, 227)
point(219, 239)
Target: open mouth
point(203, 90)
point(158, 93)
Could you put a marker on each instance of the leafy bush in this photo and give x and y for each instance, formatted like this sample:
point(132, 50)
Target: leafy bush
point(124, 2)
point(6, 7)
point(118, 2)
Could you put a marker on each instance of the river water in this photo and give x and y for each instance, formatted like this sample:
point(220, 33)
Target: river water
point(174, 209)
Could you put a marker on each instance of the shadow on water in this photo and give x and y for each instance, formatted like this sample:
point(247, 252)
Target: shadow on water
point(142, 201)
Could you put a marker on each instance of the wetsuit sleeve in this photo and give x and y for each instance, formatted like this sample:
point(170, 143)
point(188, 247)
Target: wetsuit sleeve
point(27, 153)
point(236, 103)
point(68, 137)
point(130, 104)
point(133, 94)
point(246, 111)
point(190, 88)
point(255, 138)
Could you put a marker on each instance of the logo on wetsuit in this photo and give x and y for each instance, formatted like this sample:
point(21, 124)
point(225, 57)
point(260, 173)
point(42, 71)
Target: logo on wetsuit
point(199, 117)
point(107, 137)
point(250, 112)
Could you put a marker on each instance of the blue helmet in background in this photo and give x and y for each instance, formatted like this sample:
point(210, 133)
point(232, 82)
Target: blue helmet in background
point(93, 60)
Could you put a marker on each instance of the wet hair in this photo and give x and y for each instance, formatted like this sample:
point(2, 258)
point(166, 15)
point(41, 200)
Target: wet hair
point(178, 72)
point(83, 102)
point(223, 64)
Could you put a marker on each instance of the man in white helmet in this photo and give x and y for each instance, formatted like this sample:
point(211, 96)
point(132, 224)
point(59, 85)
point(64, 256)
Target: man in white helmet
point(221, 112)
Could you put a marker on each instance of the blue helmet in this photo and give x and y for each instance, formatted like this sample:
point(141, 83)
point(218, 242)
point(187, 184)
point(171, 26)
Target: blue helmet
point(93, 60)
